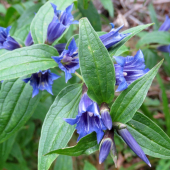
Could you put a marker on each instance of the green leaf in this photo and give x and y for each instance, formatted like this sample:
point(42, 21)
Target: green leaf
point(133, 31)
point(130, 100)
point(13, 111)
point(108, 4)
point(28, 15)
point(153, 16)
point(22, 33)
point(89, 141)
point(121, 50)
point(89, 166)
point(151, 57)
point(5, 149)
point(95, 64)
point(43, 18)
point(2, 9)
point(19, 8)
point(26, 134)
point(56, 133)
point(160, 37)
point(166, 110)
point(17, 153)
point(26, 60)
point(149, 136)
point(3, 51)
point(63, 163)
point(91, 13)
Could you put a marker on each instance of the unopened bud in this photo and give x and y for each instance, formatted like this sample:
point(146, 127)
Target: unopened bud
point(107, 146)
point(131, 142)
point(105, 115)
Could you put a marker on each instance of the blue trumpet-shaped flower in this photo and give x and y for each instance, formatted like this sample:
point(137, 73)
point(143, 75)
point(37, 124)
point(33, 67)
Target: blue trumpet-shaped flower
point(29, 40)
point(165, 27)
point(60, 47)
point(88, 119)
point(41, 80)
point(61, 21)
point(128, 69)
point(113, 37)
point(68, 60)
point(131, 142)
point(107, 146)
point(6, 41)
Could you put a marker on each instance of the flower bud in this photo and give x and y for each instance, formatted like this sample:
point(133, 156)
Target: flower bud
point(131, 142)
point(107, 146)
point(29, 40)
point(105, 115)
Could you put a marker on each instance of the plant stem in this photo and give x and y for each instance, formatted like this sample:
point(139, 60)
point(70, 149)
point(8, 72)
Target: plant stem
point(79, 76)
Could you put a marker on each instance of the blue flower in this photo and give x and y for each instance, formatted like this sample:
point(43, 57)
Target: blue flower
point(131, 142)
point(128, 69)
point(113, 37)
point(6, 41)
point(41, 80)
point(107, 146)
point(88, 119)
point(29, 40)
point(105, 115)
point(165, 27)
point(60, 47)
point(61, 21)
point(164, 48)
point(68, 61)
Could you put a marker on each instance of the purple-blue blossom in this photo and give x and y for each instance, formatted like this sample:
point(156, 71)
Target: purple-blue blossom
point(107, 146)
point(6, 41)
point(131, 142)
point(29, 40)
point(105, 115)
point(68, 61)
point(113, 37)
point(165, 27)
point(61, 21)
point(41, 80)
point(88, 119)
point(128, 69)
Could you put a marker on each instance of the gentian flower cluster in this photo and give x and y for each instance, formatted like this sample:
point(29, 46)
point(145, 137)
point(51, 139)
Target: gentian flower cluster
point(108, 145)
point(41, 80)
point(165, 27)
point(61, 21)
point(128, 69)
point(6, 41)
point(68, 61)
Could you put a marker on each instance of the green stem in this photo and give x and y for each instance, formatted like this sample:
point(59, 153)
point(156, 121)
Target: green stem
point(79, 76)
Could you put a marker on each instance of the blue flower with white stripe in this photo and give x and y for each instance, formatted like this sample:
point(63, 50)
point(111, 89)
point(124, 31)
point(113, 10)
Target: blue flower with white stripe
point(128, 69)
point(88, 119)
